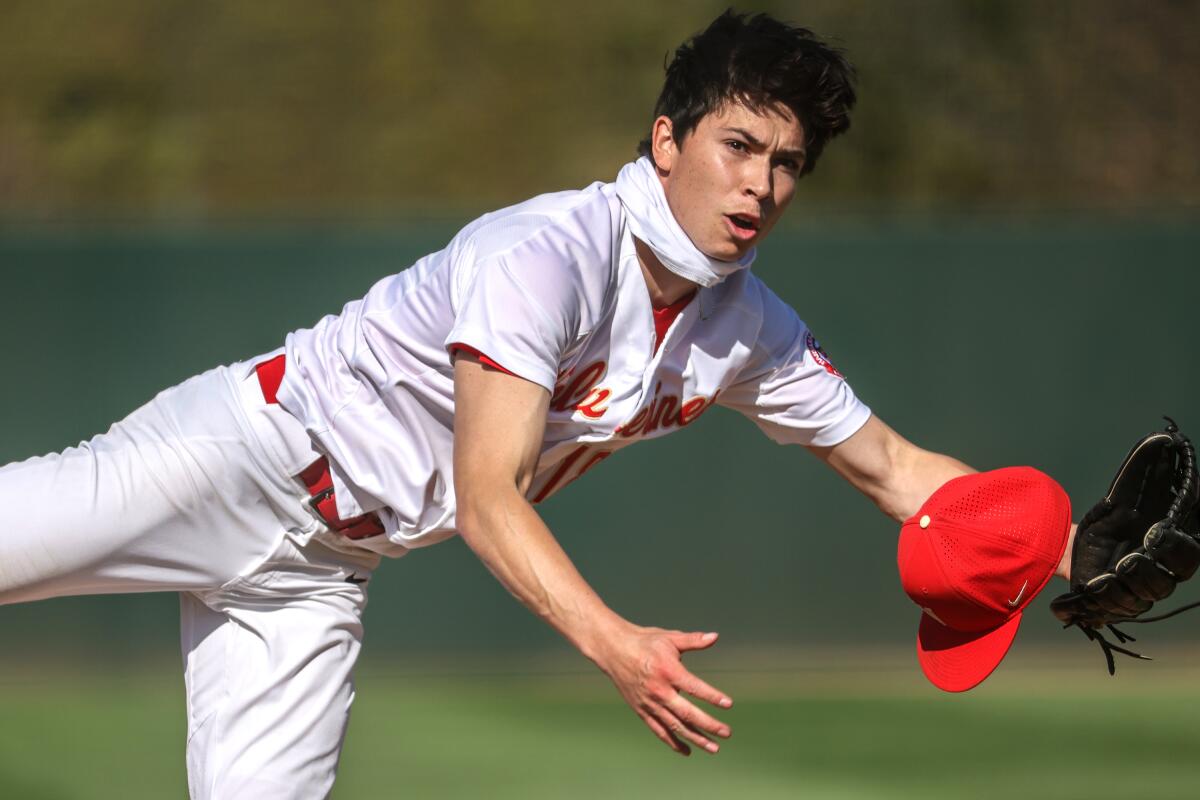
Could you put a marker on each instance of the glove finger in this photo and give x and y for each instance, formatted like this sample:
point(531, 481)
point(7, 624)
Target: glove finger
point(1173, 550)
point(1106, 535)
point(1163, 481)
point(1068, 607)
point(1077, 608)
point(1114, 597)
point(1144, 577)
point(1145, 478)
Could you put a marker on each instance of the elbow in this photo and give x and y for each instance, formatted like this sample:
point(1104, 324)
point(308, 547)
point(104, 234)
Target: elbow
point(892, 472)
point(481, 507)
point(470, 513)
point(484, 493)
point(468, 521)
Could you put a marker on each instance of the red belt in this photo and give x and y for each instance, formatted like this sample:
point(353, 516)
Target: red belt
point(315, 476)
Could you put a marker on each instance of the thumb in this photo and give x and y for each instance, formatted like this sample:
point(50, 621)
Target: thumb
point(692, 641)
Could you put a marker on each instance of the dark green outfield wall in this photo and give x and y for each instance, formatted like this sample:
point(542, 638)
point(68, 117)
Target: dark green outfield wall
point(1054, 345)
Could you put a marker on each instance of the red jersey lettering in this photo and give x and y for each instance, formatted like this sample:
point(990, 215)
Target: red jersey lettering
point(565, 474)
point(661, 413)
point(593, 406)
point(570, 394)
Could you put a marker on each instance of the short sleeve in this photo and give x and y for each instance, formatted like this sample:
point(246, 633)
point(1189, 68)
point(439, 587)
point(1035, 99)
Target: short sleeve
point(521, 309)
point(790, 388)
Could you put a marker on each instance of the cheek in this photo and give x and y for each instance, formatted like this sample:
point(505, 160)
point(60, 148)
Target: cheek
point(697, 190)
point(699, 185)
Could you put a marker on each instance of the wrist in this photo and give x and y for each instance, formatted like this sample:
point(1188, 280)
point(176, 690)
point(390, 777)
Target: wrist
point(1064, 563)
point(596, 639)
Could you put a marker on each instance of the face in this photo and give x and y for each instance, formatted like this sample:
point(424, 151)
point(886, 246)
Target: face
point(730, 179)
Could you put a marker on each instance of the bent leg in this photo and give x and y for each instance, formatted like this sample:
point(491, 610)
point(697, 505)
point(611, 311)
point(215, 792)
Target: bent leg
point(268, 667)
point(180, 495)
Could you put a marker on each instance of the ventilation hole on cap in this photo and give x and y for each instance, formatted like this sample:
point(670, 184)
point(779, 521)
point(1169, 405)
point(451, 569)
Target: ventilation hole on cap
point(1011, 507)
point(1024, 513)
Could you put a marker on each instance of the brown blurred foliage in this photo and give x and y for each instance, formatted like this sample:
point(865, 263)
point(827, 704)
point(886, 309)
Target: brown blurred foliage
point(178, 109)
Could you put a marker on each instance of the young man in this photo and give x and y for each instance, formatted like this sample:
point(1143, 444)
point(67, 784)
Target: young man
point(454, 397)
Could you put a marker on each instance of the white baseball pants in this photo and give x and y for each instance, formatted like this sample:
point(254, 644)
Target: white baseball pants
point(194, 493)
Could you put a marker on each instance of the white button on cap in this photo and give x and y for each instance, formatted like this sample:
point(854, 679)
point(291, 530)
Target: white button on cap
point(925, 521)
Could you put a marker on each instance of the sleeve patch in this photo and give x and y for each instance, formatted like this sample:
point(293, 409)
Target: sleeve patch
point(818, 355)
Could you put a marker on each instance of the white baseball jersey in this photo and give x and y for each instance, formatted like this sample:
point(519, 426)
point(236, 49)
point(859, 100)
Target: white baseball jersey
point(552, 291)
point(195, 492)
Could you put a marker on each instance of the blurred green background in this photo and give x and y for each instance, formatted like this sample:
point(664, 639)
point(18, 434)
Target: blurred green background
point(175, 110)
point(1001, 256)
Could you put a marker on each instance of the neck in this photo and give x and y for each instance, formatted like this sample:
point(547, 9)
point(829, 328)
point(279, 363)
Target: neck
point(664, 286)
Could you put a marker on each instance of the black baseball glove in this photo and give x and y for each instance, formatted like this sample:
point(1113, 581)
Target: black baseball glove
point(1134, 546)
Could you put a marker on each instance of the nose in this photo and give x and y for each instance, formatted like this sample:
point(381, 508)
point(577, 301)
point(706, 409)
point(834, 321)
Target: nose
point(756, 182)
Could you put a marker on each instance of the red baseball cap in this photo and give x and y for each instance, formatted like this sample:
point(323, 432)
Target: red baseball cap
point(978, 551)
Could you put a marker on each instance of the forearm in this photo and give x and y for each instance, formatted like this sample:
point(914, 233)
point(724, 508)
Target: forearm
point(643, 663)
point(498, 434)
point(1064, 563)
point(915, 475)
point(894, 473)
point(513, 542)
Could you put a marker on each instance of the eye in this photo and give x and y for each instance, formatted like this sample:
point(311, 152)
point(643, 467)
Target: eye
point(790, 164)
point(736, 145)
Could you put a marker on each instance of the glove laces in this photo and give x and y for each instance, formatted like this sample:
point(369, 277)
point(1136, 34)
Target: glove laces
point(1188, 468)
point(1109, 648)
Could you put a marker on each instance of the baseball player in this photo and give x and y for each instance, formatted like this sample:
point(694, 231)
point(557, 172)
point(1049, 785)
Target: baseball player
point(452, 399)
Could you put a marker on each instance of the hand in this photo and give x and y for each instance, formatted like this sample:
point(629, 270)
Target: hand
point(645, 666)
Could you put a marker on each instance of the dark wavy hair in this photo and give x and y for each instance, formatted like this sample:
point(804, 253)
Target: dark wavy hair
point(758, 61)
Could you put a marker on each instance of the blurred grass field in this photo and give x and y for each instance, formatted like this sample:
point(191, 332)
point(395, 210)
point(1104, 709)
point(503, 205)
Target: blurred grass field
point(861, 730)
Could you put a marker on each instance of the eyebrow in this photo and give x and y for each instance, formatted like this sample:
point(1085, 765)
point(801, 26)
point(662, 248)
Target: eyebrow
point(758, 143)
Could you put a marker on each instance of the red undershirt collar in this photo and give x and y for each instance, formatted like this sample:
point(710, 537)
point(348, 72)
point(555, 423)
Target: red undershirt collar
point(663, 317)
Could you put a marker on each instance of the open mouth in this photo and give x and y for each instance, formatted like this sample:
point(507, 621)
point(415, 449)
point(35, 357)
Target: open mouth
point(742, 227)
point(743, 223)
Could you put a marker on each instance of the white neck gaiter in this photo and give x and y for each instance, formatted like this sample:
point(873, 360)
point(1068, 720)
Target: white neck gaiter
point(651, 220)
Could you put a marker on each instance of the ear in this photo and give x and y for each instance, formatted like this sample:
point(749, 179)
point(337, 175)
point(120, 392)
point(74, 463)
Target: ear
point(663, 149)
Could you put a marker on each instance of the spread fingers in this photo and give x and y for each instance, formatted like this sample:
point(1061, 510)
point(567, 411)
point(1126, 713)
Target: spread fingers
point(682, 730)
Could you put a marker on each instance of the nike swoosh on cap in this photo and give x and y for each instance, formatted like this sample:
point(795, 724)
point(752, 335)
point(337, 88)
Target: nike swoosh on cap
point(1017, 599)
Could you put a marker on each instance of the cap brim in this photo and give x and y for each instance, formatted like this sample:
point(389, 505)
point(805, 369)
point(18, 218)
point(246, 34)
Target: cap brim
point(956, 661)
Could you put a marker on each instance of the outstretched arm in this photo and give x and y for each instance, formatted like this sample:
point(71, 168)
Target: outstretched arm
point(893, 472)
point(498, 427)
point(897, 475)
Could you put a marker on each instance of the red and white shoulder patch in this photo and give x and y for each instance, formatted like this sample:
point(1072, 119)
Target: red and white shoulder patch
point(818, 355)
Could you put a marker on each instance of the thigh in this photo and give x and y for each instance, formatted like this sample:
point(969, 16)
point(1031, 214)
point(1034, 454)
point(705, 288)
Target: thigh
point(177, 496)
point(268, 667)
